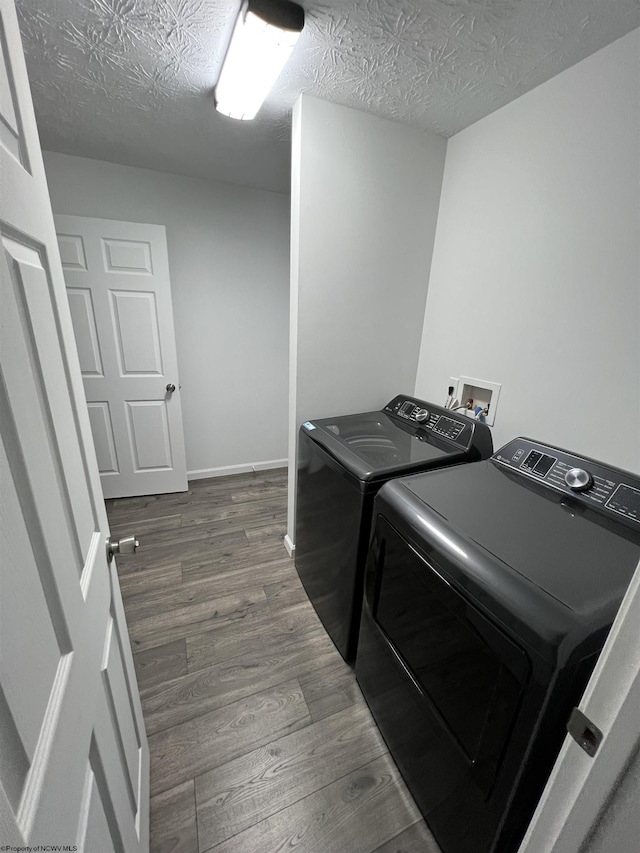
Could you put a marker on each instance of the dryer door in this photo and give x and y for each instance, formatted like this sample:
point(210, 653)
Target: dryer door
point(445, 685)
point(468, 671)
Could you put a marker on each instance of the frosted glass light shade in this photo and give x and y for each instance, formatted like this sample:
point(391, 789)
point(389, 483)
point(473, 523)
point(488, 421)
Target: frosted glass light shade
point(257, 54)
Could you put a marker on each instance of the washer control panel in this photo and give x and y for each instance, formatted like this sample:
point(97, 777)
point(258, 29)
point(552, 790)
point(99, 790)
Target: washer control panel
point(578, 480)
point(435, 419)
point(609, 489)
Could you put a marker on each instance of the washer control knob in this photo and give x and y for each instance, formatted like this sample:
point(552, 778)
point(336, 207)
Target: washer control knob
point(422, 415)
point(578, 480)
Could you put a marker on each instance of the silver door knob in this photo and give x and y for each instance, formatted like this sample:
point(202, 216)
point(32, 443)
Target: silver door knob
point(171, 388)
point(126, 545)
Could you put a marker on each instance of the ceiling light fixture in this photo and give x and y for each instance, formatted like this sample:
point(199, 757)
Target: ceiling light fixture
point(262, 40)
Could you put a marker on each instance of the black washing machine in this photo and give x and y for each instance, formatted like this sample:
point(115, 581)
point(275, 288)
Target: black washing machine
point(342, 462)
point(489, 592)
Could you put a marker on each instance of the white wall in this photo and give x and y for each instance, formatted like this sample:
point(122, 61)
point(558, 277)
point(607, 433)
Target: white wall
point(229, 264)
point(364, 203)
point(535, 280)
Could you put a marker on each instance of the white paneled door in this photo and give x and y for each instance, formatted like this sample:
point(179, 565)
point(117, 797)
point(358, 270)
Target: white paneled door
point(117, 277)
point(74, 761)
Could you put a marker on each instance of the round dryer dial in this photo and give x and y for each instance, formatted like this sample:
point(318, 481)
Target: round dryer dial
point(578, 480)
point(421, 415)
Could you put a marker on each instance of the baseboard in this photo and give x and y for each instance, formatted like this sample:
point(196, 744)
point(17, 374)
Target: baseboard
point(288, 544)
point(270, 463)
point(228, 470)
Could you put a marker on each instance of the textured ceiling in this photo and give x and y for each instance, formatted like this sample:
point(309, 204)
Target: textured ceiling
point(130, 81)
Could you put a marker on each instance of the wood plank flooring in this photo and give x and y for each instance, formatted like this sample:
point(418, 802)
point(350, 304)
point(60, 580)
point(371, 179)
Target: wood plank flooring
point(260, 738)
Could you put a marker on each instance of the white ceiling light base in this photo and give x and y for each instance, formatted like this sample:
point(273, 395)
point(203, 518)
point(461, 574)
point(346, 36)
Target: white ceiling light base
point(263, 38)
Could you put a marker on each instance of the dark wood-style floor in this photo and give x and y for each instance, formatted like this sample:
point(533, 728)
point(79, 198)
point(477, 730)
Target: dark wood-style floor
point(260, 739)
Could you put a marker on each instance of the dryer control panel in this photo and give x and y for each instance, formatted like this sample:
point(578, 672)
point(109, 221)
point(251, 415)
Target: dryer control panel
point(609, 489)
point(436, 420)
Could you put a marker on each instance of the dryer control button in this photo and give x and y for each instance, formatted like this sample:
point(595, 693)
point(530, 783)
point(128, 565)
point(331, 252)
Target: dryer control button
point(421, 415)
point(578, 479)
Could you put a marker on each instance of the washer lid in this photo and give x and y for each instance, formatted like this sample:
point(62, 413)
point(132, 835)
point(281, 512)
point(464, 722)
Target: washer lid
point(372, 446)
point(581, 559)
